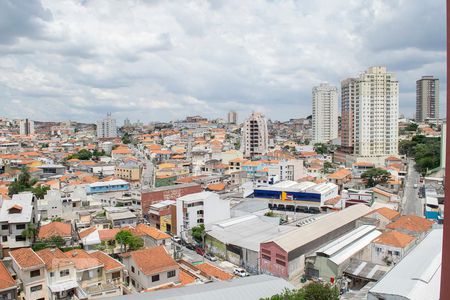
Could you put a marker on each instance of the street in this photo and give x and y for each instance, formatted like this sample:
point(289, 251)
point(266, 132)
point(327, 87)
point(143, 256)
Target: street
point(411, 203)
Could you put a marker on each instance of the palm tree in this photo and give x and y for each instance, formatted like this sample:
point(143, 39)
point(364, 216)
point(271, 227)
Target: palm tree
point(123, 237)
point(30, 232)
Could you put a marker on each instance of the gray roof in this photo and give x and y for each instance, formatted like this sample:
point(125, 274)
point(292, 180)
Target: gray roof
point(365, 269)
point(24, 200)
point(248, 231)
point(418, 275)
point(171, 187)
point(308, 233)
point(248, 288)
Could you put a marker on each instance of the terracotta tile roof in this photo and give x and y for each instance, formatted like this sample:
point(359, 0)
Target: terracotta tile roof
point(55, 229)
point(186, 278)
point(393, 158)
point(394, 239)
point(82, 259)
point(387, 213)
point(216, 186)
point(364, 164)
point(53, 258)
point(26, 258)
point(86, 232)
point(411, 223)
point(108, 234)
point(214, 271)
point(6, 280)
point(153, 260)
point(340, 174)
point(381, 192)
point(121, 151)
point(151, 231)
point(333, 201)
point(110, 264)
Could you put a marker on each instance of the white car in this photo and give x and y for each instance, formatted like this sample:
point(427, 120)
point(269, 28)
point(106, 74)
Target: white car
point(415, 185)
point(176, 239)
point(240, 272)
point(210, 256)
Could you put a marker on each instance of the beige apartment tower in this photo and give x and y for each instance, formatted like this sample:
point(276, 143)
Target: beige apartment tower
point(427, 99)
point(255, 139)
point(324, 113)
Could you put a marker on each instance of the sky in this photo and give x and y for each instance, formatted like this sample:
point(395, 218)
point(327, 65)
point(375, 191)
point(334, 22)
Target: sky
point(164, 60)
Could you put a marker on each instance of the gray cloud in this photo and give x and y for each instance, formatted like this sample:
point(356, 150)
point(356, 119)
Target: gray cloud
point(158, 60)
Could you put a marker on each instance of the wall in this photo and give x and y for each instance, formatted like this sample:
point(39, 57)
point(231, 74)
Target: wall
point(269, 266)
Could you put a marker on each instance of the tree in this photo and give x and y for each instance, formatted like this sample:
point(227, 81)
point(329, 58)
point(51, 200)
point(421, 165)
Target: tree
point(40, 191)
point(412, 127)
point(23, 183)
point(375, 176)
point(30, 232)
point(83, 154)
point(197, 232)
point(311, 291)
point(327, 166)
point(122, 237)
point(321, 148)
point(135, 243)
point(126, 138)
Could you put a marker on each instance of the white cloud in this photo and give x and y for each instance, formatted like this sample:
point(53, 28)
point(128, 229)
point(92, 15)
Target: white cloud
point(159, 60)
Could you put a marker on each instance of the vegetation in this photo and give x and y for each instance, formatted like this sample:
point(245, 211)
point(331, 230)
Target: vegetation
point(269, 214)
point(311, 291)
point(412, 127)
point(54, 241)
point(128, 241)
point(375, 176)
point(30, 232)
point(197, 233)
point(424, 150)
point(321, 148)
point(85, 154)
point(126, 138)
point(327, 166)
point(25, 183)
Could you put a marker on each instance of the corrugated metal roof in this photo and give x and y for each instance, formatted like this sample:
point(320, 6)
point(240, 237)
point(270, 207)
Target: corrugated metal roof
point(306, 234)
point(248, 288)
point(418, 275)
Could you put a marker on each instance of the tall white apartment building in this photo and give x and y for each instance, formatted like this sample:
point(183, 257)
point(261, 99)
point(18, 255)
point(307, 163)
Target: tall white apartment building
point(232, 117)
point(255, 138)
point(376, 114)
point(107, 128)
point(325, 113)
point(26, 127)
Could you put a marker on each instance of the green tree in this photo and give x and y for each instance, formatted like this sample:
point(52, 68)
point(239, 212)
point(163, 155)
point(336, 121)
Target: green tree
point(375, 176)
point(126, 138)
point(40, 191)
point(321, 148)
point(22, 183)
point(412, 127)
point(135, 243)
point(327, 166)
point(30, 232)
point(197, 232)
point(122, 237)
point(311, 291)
point(83, 154)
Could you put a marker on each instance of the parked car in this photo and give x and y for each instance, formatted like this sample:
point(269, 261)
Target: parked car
point(176, 239)
point(200, 251)
point(189, 246)
point(415, 185)
point(240, 272)
point(210, 256)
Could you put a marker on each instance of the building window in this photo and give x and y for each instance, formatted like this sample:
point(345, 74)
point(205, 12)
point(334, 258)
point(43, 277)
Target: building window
point(132, 269)
point(266, 257)
point(52, 274)
point(280, 262)
point(35, 273)
point(36, 288)
point(155, 278)
point(20, 226)
point(64, 273)
point(20, 238)
point(5, 227)
point(171, 274)
point(115, 275)
point(389, 252)
point(4, 238)
point(397, 253)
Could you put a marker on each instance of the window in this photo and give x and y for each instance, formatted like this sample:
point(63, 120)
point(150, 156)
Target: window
point(171, 274)
point(35, 273)
point(64, 273)
point(52, 274)
point(281, 263)
point(266, 257)
point(389, 252)
point(36, 288)
point(132, 269)
point(20, 226)
point(20, 238)
point(4, 238)
point(155, 278)
point(115, 275)
point(5, 227)
point(397, 253)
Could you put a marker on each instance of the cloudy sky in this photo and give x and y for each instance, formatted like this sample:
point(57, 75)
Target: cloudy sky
point(162, 60)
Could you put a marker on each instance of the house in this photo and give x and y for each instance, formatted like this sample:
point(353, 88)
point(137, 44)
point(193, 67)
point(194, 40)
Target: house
point(412, 225)
point(200, 208)
point(91, 274)
point(120, 217)
point(15, 216)
point(117, 185)
point(30, 269)
point(359, 168)
point(152, 236)
point(416, 276)
point(390, 247)
point(60, 274)
point(8, 286)
point(150, 267)
point(384, 215)
point(284, 255)
point(60, 229)
point(162, 215)
point(113, 270)
point(340, 177)
point(236, 164)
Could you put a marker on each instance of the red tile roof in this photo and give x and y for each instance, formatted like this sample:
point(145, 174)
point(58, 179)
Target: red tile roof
point(153, 232)
point(395, 239)
point(387, 213)
point(55, 229)
point(411, 223)
point(153, 260)
point(53, 258)
point(110, 264)
point(214, 271)
point(26, 258)
point(82, 259)
point(86, 232)
point(6, 280)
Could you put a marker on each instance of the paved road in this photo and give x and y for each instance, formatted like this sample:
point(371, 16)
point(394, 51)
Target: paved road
point(412, 204)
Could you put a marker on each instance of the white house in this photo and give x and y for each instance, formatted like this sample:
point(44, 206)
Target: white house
point(390, 247)
point(200, 208)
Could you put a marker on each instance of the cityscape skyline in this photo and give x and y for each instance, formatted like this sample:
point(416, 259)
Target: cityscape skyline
point(57, 65)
